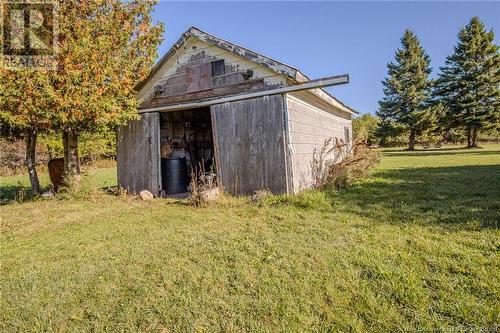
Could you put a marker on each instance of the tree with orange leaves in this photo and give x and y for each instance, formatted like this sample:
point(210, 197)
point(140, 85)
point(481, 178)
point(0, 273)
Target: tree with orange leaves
point(105, 47)
point(26, 101)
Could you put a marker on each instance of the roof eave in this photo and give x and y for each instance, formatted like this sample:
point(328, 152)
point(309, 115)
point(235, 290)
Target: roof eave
point(301, 77)
point(290, 72)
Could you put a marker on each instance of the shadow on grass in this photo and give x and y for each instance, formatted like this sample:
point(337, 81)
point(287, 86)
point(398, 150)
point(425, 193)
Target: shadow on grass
point(463, 197)
point(12, 193)
point(9, 193)
point(436, 152)
point(403, 149)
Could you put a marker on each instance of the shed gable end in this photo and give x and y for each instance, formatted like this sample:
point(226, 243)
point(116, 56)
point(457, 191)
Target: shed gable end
point(200, 67)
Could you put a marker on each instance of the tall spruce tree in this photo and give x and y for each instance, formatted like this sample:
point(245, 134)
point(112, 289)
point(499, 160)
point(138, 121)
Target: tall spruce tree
point(469, 82)
point(407, 88)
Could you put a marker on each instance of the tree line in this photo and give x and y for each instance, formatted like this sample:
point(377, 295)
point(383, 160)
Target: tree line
point(463, 100)
point(105, 48)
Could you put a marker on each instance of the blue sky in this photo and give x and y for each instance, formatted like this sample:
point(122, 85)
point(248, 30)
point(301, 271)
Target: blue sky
point(330, 38)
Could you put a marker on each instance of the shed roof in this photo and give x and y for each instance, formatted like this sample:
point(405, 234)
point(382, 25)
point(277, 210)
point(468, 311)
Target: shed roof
point(290, 72)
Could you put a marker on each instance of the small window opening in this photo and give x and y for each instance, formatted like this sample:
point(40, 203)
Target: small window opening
point(218, 67)
point(347, 136)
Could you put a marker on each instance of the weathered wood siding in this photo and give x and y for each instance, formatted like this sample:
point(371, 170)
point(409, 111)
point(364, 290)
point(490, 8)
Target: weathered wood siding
point(174, 74)
point(138, 153)
point(249, 143)
point(310, 123)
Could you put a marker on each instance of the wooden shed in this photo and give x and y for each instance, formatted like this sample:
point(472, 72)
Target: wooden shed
point(255, 120)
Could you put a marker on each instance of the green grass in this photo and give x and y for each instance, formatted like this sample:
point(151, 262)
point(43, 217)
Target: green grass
point(12, 186)
point(413, 248)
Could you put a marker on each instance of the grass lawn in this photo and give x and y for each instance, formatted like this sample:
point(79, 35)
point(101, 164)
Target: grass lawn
point(413, 248)
point(14, 186)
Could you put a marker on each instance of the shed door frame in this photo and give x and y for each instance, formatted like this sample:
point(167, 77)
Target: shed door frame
point(215, 142)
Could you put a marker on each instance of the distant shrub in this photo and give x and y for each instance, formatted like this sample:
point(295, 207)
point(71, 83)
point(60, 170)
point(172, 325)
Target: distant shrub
point(92, 148)
point(337, 164)
point(12, 156)
point(99, 145)
point(364, 128)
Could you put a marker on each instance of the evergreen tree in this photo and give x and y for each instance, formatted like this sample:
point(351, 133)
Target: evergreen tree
point(407, 88)
point(390, 133)
point(469, 82)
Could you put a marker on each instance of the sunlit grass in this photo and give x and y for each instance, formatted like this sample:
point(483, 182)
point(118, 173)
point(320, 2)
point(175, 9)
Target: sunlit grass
point(414, 247)
point(10, 186)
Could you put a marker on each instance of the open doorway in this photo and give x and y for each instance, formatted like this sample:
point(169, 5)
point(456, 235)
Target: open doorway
point(186, 147)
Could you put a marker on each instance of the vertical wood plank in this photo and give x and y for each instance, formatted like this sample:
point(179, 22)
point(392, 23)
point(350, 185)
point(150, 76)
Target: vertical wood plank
point(250, 134)
point(138, 151)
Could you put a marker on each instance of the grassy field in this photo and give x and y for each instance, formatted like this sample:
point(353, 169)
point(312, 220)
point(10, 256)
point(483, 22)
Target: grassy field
point(413, 248)
point(13, 187)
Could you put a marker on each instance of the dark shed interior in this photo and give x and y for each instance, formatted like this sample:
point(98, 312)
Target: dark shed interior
point(186, 147)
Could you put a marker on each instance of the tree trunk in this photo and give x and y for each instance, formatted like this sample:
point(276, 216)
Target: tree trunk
point(31, 163)
point(469, 139)
point(411, 143)
point(474, 138)
point(71, 161)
